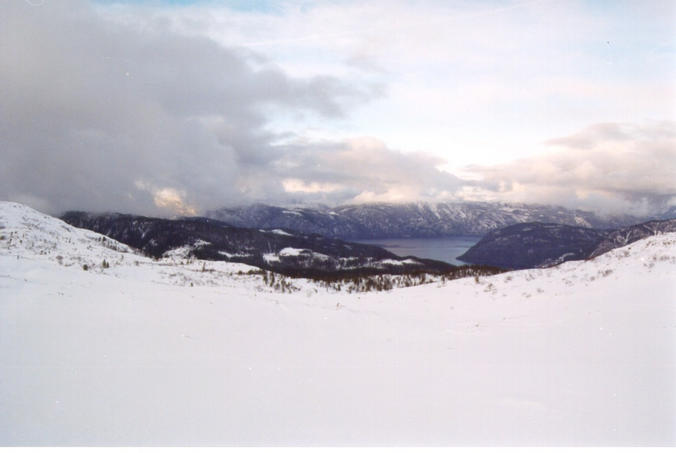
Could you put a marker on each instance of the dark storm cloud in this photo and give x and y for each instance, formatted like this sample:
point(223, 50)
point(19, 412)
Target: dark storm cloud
point(99, 115)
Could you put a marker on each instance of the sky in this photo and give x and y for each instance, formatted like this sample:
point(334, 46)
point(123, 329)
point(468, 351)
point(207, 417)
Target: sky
point(177, 107)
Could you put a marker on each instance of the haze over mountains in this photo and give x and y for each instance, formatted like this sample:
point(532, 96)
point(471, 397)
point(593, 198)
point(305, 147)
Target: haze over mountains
point(411, 220)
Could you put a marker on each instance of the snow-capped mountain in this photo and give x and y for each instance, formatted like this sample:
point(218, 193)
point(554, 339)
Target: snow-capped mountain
point(279, 250)
point(531, 245)
point(160, 352)
point(412, 220)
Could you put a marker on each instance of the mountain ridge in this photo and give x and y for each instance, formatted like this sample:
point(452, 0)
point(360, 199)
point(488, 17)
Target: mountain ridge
point(410, 220)
point(280, 250)
point(532, 245)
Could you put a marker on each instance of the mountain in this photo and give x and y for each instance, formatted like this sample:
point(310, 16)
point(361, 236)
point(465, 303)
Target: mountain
point(160, 352)
point(412, 220)
point(283, 251)
point(670, 213)
point(159, 256)
point(531, 245)
point(624, 236)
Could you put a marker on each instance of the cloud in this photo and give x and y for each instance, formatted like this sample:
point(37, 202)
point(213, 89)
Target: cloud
point(91, 106)
point(168, 198)
point(294, 185)
point(608, 167)
point(363, 170)
point(477, 73)
point(147, 109)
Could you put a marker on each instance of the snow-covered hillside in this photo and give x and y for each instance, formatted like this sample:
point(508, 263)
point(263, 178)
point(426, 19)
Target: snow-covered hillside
point(277, 250)
point(131, 353)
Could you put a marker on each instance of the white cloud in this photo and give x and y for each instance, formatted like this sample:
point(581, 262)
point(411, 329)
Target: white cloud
point(608, 166)
point(477, 80)
point(364, 169)
point(294, 185)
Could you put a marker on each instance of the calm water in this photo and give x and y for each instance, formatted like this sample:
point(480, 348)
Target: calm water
point(442, 249)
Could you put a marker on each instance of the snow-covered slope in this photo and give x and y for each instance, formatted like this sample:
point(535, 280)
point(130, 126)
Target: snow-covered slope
point(31, 233)
point(580, 354)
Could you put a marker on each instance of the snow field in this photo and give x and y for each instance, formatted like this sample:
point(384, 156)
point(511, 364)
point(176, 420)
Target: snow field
point(580, 354)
